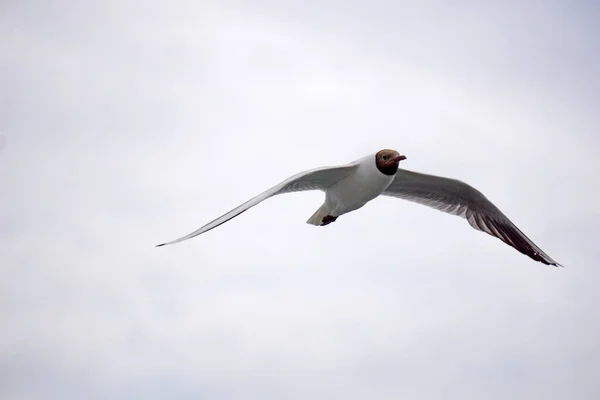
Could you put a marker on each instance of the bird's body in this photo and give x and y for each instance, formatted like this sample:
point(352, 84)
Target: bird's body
point(351, 186)
point(354, 191)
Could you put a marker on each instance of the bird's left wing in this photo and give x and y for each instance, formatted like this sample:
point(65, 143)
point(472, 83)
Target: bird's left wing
point(458, 198)
point(314, 179)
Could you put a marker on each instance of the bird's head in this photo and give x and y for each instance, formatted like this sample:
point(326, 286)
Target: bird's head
point(387, 161)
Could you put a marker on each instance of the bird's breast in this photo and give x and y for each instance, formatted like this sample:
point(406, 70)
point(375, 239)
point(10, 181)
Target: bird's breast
point(357, 189)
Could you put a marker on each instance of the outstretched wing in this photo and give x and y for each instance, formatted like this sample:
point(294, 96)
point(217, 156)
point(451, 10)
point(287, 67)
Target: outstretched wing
point(314, 179)
point(458, 198)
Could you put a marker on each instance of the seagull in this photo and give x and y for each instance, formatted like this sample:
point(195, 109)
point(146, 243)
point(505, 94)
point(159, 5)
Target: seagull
point(351, 186)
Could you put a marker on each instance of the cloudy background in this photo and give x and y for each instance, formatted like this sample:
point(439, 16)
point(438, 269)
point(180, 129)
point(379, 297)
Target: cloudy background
point(126, 124)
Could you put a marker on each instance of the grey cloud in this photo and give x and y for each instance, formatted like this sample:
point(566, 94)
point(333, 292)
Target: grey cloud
point(127, 125)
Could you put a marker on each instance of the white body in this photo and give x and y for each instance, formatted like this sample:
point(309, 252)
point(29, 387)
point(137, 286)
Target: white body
point(353, 192)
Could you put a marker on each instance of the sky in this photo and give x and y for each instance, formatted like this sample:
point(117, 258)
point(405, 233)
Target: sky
point(124, 124)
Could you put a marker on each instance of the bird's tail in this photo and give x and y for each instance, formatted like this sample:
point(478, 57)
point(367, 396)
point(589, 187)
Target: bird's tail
point(317, 217)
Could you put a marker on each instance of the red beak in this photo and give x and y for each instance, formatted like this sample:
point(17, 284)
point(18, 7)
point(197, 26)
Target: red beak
point(399, 158)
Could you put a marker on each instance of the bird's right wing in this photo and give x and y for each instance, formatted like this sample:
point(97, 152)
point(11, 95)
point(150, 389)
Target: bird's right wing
point(314, 179)
point(458, 198)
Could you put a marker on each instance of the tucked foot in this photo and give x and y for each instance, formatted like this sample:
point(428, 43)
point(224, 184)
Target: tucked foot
point(328, 219)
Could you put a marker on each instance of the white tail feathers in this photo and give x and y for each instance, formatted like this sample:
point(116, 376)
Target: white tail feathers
point(317, 217)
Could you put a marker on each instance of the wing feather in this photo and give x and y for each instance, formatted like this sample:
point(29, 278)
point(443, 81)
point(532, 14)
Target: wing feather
point(458, 198)
point(314, 179)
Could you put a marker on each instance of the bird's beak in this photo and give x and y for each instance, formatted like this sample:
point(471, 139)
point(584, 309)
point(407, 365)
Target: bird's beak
point(399, 158)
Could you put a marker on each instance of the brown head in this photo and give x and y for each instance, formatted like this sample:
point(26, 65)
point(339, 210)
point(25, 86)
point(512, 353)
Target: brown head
point(387, 161)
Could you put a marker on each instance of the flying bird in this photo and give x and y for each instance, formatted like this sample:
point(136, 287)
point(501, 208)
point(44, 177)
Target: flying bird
point(349, 187)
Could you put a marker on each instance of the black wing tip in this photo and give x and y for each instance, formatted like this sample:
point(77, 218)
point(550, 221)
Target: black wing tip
point(512, 236)
point(551, 263)
point(159, 245)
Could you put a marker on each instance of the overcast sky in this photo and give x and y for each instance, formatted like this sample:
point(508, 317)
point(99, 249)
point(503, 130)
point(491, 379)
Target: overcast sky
point(124, 124)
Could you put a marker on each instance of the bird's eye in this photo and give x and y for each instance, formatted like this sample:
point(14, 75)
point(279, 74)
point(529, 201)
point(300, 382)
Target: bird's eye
point(384, 158)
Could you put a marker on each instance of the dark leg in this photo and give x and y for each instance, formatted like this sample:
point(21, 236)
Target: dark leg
point(328, 219)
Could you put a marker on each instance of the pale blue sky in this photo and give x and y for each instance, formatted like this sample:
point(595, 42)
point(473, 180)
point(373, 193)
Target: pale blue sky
point(126, 124)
